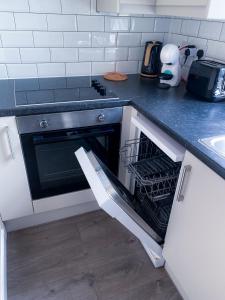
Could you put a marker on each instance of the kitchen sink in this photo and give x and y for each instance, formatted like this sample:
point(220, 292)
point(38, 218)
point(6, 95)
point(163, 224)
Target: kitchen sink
point(215, 143)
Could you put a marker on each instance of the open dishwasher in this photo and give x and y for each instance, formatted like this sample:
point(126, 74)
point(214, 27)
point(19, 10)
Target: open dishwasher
point(152, 161)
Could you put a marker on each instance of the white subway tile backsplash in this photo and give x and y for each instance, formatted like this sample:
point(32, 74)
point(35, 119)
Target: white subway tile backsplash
point(77, 39)
point(128, 67)
point(21, 70)
point(91, 54)
point(210, 30)
point(76, 6)
point(116, 54)
point(190, 27)
point(45, 6)
point(154, 36)
point(9, 55)
point(6, 21)
point(142, 24)
point(78, 69)
point(48, 39)
point(3, 71)
point(103, 39)
point(51, 69)
point(116, 24)
point(34, 55)
point(64, 54)
point(27, 21)
point(136, 53)
point(100, 68)
point(90, 23)
point(175, 26)
point(177, 39)
point(129, 39)
point(198, 42)
point(222, 35)
point(162, 24)
point(216, 50)
point(14, 5)
point(17, 39)
point(61, 22)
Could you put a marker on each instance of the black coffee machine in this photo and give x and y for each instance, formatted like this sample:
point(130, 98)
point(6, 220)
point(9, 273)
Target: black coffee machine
point(151, 65)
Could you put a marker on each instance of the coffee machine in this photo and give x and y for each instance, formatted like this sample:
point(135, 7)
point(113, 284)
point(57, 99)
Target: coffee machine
point(151, 65)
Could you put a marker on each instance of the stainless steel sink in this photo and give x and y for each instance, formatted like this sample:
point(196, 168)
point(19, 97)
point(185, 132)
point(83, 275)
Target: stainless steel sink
point(215, 143)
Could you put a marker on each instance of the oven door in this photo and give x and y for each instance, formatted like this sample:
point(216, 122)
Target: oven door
point(49, 157)
point(116, 201)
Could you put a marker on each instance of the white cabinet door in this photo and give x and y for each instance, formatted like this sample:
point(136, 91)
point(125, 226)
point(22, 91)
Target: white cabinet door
point(126, 6)
point(194, 247)
point(15, 199)
point(3, 271)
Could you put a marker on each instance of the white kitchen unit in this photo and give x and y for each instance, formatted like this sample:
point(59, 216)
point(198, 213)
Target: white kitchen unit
point(15, 198)
point(126, 6)
point(115, 199)
point(194, 247)
point(3, 272)
point(207, 9)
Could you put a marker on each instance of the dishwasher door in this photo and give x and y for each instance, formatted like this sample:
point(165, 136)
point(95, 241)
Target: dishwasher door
point(116, 201)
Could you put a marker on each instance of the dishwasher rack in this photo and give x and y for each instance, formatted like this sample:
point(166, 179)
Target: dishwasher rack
point(155, 173)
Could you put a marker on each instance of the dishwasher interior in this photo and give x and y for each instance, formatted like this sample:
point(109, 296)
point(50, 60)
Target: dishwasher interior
point(154, 178)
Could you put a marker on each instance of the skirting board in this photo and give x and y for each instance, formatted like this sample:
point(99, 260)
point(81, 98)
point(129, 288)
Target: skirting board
point(50, 216)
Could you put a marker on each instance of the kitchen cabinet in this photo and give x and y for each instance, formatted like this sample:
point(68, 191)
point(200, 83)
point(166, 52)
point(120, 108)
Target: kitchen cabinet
point(195, 241)
point(126, 6)
point(3, 272)
point(209, 9)
point(15, 199)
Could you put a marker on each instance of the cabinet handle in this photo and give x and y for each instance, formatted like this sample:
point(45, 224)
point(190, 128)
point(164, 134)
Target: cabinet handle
point(183, 182)
point(6, 128)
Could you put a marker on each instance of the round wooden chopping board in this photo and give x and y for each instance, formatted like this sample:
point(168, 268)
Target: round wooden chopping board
point(115, 76)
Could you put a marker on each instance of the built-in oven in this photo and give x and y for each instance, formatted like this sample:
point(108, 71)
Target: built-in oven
point(49, 142)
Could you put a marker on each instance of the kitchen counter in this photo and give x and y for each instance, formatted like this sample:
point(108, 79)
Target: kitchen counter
point(183, 116)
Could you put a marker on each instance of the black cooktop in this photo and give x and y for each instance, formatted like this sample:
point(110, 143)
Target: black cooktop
point(62, 89)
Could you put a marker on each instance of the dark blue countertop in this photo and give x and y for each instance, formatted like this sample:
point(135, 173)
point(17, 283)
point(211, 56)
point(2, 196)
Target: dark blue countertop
point(183, 116)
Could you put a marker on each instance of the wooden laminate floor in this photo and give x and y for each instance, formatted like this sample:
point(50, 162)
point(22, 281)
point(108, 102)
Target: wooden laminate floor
point(88, 257)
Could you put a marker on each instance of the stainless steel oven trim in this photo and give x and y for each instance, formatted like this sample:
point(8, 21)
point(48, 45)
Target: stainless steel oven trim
point(67, 120)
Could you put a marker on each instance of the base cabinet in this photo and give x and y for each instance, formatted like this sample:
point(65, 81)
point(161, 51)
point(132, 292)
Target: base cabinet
point(15, 198)
point(194, 247)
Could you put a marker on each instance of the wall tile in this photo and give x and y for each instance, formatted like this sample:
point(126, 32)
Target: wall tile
point(51, 69)
point(9, 55)
point(129, 39)
point(128, 67)
point(76, 7)
point(177, 39)
point(142, 24)
point(222, 35)
point(78, 69)
point(175, 26)
point(47, 6)
point(99, 68)
point(61, 23)
point(210, 30)
point(116, 54)
point(136, 53)
point(146, 37)
point(17, 39)
point(190, 27)
point(27, 21)
point(48, 39)
point(3, 71)
point(21, 70)
point(91, 54)
point(64, 54)
point(14, 5)
point(77, 39)
point(90, 23)
point(216, 50)
point(162, 24)
point(6, 21)
point(34, 55)
point(117, 24)
point(103, 39)
point(198, 42)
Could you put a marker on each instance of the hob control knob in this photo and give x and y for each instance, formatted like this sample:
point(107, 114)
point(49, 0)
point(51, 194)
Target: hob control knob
point(101, 118)
point(44, 124)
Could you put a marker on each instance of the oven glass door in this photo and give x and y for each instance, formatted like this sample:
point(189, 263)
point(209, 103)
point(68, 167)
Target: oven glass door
point(49, 157)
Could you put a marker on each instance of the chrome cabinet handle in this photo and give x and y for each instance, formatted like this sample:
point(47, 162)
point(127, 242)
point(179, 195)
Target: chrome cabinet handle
point(183, 182)
point(6, 128)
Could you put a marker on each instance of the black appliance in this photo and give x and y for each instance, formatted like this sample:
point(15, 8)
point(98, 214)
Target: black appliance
point(207, 80)
point(49, 142)
point(151, 65)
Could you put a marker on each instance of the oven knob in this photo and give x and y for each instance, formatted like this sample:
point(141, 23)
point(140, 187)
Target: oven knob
point(43, 124)
point(101, 118)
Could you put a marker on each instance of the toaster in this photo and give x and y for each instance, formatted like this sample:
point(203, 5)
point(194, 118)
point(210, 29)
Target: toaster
point(207, 80)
